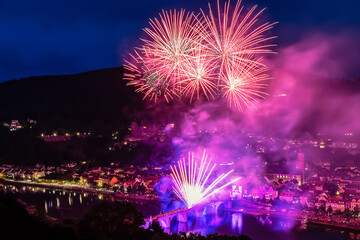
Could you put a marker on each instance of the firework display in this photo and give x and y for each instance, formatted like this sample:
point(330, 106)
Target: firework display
point(233, 40)
point(192, 182)
point(242, 86)
point(218, 54)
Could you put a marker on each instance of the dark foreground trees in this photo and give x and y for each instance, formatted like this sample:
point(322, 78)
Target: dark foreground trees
point(107, 221)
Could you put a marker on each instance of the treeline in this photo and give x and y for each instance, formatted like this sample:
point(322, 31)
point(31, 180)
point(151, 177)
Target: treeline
point(26, 148)
point(98, 100)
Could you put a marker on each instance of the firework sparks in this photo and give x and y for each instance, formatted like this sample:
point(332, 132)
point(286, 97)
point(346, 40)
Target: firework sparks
point(191, 182)
point(147, 80)
point(233, 38)
point(197, 75)
point(172, 38)
point(190, 56)
point(242, 86)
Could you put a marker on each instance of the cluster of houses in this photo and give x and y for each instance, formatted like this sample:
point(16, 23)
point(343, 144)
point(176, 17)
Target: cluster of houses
point(15, 125)
point(313, 194)
point(23, 173)
point(125, 179)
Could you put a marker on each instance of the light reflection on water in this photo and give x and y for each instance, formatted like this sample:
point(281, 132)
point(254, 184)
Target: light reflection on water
point(257, 228)
point(237, 222)
point(63, 204)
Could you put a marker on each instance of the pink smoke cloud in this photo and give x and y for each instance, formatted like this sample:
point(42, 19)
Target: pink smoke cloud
point(313, 74)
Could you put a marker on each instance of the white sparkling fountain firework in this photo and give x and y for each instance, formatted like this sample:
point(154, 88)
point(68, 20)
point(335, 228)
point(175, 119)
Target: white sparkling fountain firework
point(192, 184)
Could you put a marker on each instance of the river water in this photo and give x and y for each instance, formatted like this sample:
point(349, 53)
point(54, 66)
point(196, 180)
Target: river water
point(62, 204)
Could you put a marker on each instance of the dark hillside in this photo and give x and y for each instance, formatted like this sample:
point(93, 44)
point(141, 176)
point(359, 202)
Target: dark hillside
point(80, 101)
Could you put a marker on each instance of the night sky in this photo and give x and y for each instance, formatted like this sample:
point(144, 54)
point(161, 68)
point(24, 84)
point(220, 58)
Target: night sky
point(62, 37)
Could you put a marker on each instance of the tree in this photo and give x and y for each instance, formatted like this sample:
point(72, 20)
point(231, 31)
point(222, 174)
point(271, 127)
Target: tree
point(347, 213)
point(330, 210)
point(118, 220)
point(356, 210)
point(22, 225)
point(142, 188)
point(129, 189)
point(332, 188)
point(322, 208)
point(155, 226)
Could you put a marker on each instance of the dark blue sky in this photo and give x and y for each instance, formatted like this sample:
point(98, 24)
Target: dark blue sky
point(59, 37)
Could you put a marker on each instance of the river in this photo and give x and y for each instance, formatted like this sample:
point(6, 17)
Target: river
point(62, 204)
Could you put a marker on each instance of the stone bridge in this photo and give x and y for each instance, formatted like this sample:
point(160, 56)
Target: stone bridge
point(183, 214)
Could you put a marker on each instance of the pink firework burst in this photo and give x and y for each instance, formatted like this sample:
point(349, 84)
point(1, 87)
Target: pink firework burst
point(243, 85)
point(197, 75)
point(172, 38)
point(232, 36)
point(190, 56)
point(147, 80)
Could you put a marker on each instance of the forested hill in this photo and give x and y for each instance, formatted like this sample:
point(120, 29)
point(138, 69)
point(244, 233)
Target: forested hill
point(84, 100)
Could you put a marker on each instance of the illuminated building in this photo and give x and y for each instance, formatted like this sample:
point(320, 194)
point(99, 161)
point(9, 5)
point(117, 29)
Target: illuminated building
point(236, 192)
point(15, 125)
point(335, 203)
point(286, 196)
point(264, 192)
point(285, 177)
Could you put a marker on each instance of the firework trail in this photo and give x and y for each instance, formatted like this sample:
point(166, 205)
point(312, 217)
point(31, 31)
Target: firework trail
point(191, 182)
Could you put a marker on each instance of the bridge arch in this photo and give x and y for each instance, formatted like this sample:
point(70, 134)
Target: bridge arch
point(209, 210)
point(220, 209)
point(163, 223)
point(180, 217)
point(195, 212)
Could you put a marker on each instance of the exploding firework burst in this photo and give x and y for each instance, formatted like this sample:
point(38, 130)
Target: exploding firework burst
point(147, 80)
point(191, 181)
point(232, 37)
point(243, 85)
point(197, 75)
point(172, 38)
point(215, 55)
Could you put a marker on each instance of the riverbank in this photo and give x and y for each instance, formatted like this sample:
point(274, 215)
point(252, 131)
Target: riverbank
point(78, 188)
point(68, 201)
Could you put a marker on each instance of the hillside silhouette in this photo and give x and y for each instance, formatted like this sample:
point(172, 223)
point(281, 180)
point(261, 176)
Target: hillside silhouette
point(78, 101)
